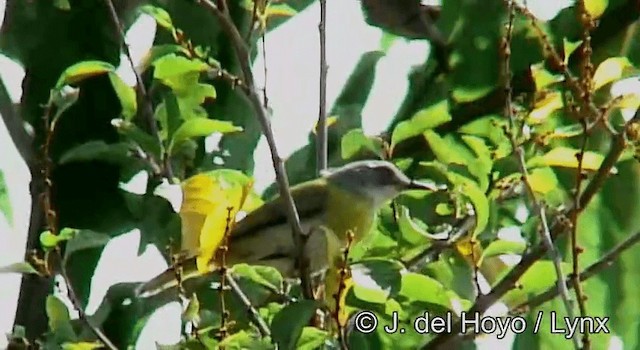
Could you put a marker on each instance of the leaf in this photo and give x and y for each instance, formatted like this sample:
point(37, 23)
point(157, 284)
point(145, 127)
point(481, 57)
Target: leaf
point(610, 70)
point(421, 288)
point(312, 338)
point(280, 10)
point(542, 77)
point(207, 198)
point(263, 275)
point(5, 203)
point(425, 119)
point(49, 241)
point(411, 232)
point(540, 277)
point(200, 127)
point(596, 8)
point(565, 157)
point(126, 94)
point(288, 324)
point(543, 180)
point(177, 72)
point(62, 5)
point(244, 340)
point(85, 239)
point(82, 346)
point(148, 143)
point(355, 142)
point(544, 107)
point(117, 153)
point(480, 204)
point(161, 16)
point(81, 71)
point(158, 51)
point(501, 247)
point(59, 319)
point(569, 48)
point(377, 274)
point(19, 267)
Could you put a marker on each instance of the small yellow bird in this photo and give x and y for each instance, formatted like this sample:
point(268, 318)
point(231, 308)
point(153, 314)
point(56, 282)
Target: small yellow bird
point(341, 200)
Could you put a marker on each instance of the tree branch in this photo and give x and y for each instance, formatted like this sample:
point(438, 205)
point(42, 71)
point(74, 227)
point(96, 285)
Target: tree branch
point(221, 12)
point(321, 133)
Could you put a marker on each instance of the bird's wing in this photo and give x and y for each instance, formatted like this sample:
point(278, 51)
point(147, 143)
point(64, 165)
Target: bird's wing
point(309, 197)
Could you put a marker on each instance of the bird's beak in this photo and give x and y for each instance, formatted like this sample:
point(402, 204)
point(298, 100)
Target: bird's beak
point(417, 185)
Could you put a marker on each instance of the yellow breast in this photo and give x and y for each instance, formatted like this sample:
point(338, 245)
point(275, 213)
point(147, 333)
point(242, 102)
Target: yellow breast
point(348, 212)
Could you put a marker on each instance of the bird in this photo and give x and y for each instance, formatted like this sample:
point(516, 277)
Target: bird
point(341, 201)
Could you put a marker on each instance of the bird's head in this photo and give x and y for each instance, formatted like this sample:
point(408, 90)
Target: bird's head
point(376, 180)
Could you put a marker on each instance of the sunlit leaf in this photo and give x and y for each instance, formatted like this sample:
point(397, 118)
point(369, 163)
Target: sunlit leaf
point(59, 319)
point(540, 277)
point(312, 338)
point(425, 119)
point(82, 346)
point(20, 267)
point(161, 16)
point(542, 77)
point(543, 180)
point(356, 142)
point(596, 7)
point(501, 247)
point(280, 10)
point(610, 70)
point(158, 51)
point(569, 48)
point(263, 275)
point(81, 71)
point(421, 288)
point(567, 158)
point(126, 94)
point(179, 73)
point(200, 127)
point(209, 200)
point(544, 107)
point(62, 5)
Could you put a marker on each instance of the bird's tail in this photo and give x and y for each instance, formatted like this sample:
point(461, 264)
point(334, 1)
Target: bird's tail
point(183, 271)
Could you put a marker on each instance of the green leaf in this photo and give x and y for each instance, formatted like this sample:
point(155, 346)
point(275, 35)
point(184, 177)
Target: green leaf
point(312, 338)
point(82, 346)
point(126, 94)
point(59, 319)
point(411, 232)
point(565, 157)
point(147, 143)
point(426, 119)
point(280, 10)
point(179, 73)
point(288, 324)
point(244, 340)
point(355, 142)
point(378, 274)
point(540, 277)
point(161, 16)
point(199, 127)
point(421, 288)
point(159, 51)
point(85, 239)
point(48, 240)
point(569, 48)
point(20, 267)
point(117, 153)
point(262, 275)
point(543, 180)
point(81, 71)
point(478, 200)
point(501, 247)
point(62, 5)
point(5, 203)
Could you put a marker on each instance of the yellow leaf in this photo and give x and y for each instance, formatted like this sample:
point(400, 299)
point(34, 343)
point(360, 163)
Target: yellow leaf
point(610, 70)
point(209, 207)
point(471, 252)
point(343, 314)
point(596, 7)
point(631, 101)
point(543, 180)
point(280, 10)
point(82, 346)
point(543, 108)
point(569, 48)
point(566, 158)
point(543, 77)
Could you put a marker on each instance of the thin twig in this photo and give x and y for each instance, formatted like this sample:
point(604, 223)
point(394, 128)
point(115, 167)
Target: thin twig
point(263, 328)
point(433, 251)
point(221, 12)
point(322, 132)
point(51, 218)
point(538, 207)
point(602, 263)
point(221, 252)
point(143, 96)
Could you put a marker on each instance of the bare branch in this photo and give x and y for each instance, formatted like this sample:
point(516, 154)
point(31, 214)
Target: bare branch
point(321, 133)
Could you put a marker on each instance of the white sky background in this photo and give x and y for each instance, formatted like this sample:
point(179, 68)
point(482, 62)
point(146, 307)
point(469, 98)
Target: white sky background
point(293, 71)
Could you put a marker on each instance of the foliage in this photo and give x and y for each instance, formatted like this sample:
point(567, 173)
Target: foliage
point(519, 122)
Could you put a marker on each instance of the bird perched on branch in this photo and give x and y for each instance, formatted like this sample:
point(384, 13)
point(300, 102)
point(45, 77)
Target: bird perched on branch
point(342, 200)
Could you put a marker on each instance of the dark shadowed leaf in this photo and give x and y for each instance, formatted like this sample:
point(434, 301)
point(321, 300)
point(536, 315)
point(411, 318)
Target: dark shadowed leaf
point(289, 323)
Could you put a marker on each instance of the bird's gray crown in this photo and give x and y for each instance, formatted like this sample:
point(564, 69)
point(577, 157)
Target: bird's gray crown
point(377, 179)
